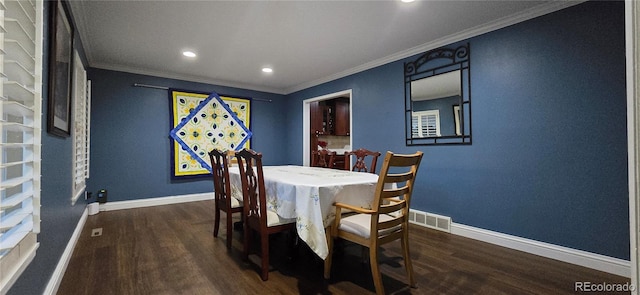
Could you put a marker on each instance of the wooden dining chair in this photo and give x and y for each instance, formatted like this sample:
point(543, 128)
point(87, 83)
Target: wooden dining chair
point(323, 158)
point(387, 221)
point(359, 164)
point(257, 217)
point(224, 201)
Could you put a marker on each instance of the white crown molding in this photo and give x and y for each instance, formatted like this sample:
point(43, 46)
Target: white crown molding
point(463, 35)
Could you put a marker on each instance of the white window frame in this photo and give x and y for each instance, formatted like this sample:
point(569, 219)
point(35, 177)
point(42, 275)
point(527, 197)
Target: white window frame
point(20, 139)
point(81, 110)
point(425, 123)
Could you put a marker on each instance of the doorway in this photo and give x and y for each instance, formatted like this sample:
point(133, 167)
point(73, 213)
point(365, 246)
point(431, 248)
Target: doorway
point(306, 119)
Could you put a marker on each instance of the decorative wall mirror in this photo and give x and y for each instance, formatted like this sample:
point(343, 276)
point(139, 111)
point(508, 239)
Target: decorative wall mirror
point(438, 97)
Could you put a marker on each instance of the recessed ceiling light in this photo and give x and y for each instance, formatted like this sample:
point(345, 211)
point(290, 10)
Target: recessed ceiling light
point(407, 1)
point(189, 54)
point(267, 70)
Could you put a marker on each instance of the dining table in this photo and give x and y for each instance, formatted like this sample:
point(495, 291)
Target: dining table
point(308, 194)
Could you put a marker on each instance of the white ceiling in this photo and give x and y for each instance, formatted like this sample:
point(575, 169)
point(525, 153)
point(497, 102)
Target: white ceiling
point(305, 42)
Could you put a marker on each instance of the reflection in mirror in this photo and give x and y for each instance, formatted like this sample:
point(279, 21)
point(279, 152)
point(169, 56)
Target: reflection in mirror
point(437, 98)
point(433, 100)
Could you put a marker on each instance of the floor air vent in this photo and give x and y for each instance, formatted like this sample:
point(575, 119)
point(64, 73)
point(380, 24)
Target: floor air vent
point(430, 220)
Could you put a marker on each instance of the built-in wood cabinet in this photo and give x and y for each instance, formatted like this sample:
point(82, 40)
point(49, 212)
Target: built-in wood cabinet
point(342, 124)
point(330, 117)
point(315, 112)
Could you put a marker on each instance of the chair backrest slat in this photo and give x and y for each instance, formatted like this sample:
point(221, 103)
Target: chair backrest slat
point(403, 160)
point(398, 184)
point(397, 178)
point(220, 172)
point(359, 164)
point(394, 192)
point(389, 224)
point(386, 209)
point(253, 190)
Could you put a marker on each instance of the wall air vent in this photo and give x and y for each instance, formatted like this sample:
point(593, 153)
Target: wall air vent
point(430, 220)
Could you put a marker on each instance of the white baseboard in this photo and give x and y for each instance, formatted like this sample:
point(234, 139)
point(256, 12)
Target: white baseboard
point(119, 205)
point(583, 258)
point(61, 268)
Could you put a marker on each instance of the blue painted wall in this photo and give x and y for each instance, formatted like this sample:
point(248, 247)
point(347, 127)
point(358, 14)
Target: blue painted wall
point(548, 160)
point(130, 144)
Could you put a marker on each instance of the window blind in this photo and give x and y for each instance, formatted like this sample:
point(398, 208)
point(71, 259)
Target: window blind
point(80, 130)
point(21, 108)
point(425, 123)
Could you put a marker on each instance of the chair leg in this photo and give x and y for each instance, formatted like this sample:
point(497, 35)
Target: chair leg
point(265, 255)
point(375, 270)
point(407, 260)
point(216, 221)
point(247, 241)
point(327, 261)
point(229, 229)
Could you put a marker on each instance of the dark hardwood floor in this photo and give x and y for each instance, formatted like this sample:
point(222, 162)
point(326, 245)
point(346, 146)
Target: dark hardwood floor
point(171, 250)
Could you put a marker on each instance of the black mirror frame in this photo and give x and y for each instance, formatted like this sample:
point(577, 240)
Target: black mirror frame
point(449, 60)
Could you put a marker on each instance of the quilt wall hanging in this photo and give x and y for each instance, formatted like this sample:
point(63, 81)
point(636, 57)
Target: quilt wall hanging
point(202, 122)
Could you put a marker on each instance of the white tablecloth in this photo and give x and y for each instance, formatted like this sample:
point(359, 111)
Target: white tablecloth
point(308, 194)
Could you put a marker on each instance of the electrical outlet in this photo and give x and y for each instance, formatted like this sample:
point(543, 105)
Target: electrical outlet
point(87, 195)
point(96, 232)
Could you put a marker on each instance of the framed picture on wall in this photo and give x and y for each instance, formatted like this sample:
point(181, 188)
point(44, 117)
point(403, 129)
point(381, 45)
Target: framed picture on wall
point(60, 63)
point(201, 122)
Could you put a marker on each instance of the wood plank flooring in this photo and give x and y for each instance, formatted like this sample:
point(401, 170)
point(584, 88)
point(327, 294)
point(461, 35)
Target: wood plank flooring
point(171, 250)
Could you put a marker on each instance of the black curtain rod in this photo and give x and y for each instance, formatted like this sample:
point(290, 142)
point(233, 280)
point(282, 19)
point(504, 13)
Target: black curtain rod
point(167, 88)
